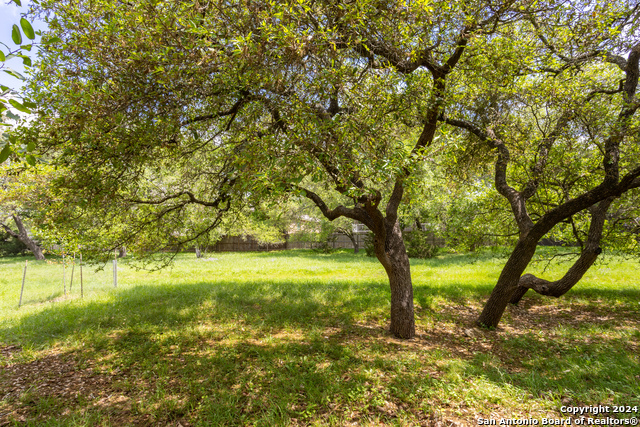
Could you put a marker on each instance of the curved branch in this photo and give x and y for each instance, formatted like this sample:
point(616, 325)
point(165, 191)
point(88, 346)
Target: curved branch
point(587, 257)
point(332, 214)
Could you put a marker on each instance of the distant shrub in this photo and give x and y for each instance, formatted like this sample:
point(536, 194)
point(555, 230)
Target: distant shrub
point(10, 246)
point(326, 246)
point(418, 244)
point(368, 245)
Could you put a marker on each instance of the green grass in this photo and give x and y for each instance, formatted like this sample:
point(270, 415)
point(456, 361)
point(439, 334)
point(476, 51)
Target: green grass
point(298, 338)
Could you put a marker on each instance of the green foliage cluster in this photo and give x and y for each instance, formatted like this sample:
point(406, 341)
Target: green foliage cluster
point(12, 100)
point(369, 248)
point(10, 246)
point(420, 244)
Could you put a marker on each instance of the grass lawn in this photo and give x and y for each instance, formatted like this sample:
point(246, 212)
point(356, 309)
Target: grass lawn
point(298, 338)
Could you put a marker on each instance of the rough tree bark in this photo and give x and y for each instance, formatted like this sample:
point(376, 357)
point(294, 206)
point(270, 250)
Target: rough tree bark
point(23, 236)
point(392, 254)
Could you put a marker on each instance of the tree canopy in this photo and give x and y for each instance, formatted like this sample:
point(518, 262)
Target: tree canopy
point(159, 110)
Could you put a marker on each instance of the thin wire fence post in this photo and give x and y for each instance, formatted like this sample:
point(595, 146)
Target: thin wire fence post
point(81, 284)
point(24, 275)
point(115, 268)
point(64, 277)
point(73, 268)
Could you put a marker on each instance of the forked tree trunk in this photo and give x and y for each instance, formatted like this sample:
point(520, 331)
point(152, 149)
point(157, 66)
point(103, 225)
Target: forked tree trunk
point(393, 256)
point(512, 286)
point(23, 236)
point(389, 249)
point(588, 256)
point(507, 282)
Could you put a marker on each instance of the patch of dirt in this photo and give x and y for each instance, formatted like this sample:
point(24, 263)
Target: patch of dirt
point(60, 380)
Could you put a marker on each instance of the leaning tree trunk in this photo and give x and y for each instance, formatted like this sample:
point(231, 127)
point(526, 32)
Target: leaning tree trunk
point(507, 282)
point(22, 235)
point(512, 286)
point(351, 236)
point(588, 256)
point(354, 241)
point(391, 252)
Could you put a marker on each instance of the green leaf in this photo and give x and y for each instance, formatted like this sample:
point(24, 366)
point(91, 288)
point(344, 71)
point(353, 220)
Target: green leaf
point(27, 29)
point(12, 115)
point(26, 47)
point(51, 40)
point(4, 154)
point(31, 146)
point(26, 60)
point(2, 57)
point(31, 160)
point(17, 2)
point(14, 73)
point(18, 106)
point(15, 34)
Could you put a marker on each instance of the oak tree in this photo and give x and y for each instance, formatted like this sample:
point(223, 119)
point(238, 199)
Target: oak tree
point(159, 108)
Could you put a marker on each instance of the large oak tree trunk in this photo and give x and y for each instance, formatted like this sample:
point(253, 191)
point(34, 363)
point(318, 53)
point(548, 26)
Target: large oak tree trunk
point(391, 252)
point(23, 236)
point(507, 282)
point(512, 286)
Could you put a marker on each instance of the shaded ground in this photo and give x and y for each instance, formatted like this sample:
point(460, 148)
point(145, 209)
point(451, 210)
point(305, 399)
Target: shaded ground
point(92, 387)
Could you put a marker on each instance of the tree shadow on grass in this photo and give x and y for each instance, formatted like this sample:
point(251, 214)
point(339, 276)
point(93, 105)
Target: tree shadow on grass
point(259, 303)
point(266, 353)
point(324, 374)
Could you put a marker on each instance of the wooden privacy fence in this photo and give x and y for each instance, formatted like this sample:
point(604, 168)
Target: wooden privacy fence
point(337, 241)
point(249, 244)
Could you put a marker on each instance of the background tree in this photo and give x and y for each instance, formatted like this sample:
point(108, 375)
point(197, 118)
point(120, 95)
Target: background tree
point(22, 198)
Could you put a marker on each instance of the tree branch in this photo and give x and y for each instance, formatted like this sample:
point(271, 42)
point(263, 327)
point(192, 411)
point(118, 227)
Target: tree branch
point(10, 231)
point(332, 214)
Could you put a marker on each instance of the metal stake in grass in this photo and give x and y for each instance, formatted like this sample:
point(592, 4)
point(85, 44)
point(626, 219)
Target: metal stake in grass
point(115, 268)
point(81, 284)
point(24, 275)
point(64, 278)
point(73, 268)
